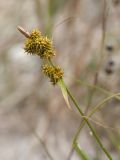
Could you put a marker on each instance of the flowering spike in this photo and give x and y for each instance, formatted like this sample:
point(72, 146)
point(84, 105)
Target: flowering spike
point(54, 73)
point(36, 44)
point(35, 34)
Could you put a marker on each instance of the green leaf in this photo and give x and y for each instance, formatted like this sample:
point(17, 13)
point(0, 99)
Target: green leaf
point(64, 92)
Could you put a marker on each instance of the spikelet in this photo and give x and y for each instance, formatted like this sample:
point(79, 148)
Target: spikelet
point(54, 73)
point(36, 44)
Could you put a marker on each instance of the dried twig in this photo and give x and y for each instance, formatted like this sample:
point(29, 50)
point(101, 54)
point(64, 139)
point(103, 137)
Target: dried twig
point(23, 31)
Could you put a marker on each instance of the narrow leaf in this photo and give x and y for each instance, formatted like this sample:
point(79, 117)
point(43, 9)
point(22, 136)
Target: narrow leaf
point(64, 92)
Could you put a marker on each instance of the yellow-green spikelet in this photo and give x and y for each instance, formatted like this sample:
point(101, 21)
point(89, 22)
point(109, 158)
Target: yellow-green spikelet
point(39, 45)
point(35, 34)
point(54, 73)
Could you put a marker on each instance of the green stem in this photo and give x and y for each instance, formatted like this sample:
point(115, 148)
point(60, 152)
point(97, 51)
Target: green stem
point(90, 126)
point(102, 103)
point(95, 109)
point(80, 152)
point(92, 112)
point(86, 121)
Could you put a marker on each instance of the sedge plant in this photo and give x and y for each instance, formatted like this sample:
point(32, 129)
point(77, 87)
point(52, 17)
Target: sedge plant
point(39, 45)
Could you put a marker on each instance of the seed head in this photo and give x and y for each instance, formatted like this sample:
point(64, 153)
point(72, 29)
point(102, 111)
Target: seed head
point(35, 34)
point(54, 73)
point(36, 44)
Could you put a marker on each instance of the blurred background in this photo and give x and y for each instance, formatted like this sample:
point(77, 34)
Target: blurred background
point(34, 118)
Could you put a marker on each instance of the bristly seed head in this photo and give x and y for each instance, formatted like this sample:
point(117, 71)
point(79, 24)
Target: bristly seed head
point(36, 44)
point(54, 73)
point(35, 34)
